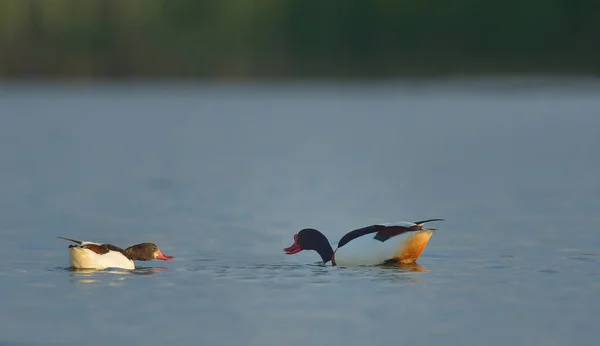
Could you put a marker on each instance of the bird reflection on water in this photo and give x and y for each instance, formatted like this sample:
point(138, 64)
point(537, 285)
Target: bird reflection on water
point(93, 275)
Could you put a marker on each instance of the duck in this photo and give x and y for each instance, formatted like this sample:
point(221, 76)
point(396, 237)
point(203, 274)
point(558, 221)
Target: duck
point(379, 244)
point(90, 255)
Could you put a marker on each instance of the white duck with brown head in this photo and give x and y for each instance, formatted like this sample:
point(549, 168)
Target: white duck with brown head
point(89, 255)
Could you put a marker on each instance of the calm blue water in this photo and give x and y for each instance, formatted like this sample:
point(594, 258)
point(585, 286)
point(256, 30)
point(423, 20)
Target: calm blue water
point(222, 176)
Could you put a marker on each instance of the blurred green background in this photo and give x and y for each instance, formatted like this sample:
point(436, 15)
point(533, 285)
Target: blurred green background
point(239, 39)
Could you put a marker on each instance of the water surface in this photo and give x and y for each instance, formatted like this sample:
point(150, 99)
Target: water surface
point(221, 176)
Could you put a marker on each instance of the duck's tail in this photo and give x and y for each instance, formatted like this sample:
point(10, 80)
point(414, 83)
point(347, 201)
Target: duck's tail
point(419, 224)
point(412, 247)
point(73, 240)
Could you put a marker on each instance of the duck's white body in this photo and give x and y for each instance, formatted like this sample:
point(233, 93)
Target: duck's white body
point(81, 258)
point(367, 251)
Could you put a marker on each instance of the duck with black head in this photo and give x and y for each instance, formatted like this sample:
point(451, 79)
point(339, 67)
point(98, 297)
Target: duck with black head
point(401, 242)
point(89, 255)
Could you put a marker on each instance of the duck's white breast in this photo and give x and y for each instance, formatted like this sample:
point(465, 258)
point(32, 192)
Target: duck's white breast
point(87, 259)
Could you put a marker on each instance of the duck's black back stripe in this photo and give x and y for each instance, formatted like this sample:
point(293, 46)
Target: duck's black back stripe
point(357, 233)
point(383, 233)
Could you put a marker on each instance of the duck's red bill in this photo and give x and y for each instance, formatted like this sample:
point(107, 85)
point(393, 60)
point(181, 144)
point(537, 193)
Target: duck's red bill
point(162, 256)
point(294, 248)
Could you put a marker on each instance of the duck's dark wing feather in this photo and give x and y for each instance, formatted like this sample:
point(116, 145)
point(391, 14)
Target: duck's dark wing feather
point(383, 233)
point(100, 249)
point(392, 231)
point(104, 248)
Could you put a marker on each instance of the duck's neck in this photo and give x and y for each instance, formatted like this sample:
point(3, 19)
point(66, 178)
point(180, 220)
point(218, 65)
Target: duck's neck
point(130, 253)
point(325, 251)
point(136, 253)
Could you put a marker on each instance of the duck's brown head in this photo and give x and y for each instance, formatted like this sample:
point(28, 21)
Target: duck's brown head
point(146, 252)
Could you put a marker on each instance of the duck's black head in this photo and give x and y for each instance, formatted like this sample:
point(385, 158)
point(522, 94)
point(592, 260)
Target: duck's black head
point(311, 239)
